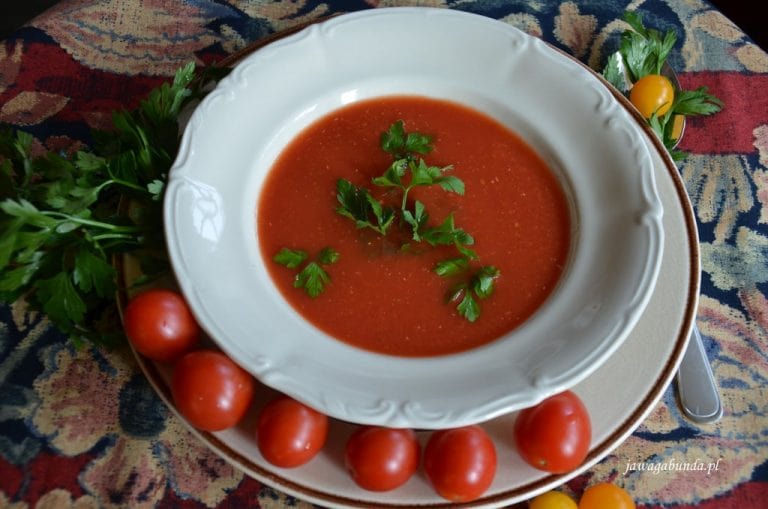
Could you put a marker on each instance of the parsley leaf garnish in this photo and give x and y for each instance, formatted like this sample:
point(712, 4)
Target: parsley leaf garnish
point(416, 219)
point(452, 266)
point(483, 282)
point(328, 256)
point(357, 204)
point(312, 278)
point(400, 144)
point(422, 175)
point(468, 307)
point(290, 258)
point(447, 234)
point(475, 285)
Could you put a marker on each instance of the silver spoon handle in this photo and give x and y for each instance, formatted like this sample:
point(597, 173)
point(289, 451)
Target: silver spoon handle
point(699, 397)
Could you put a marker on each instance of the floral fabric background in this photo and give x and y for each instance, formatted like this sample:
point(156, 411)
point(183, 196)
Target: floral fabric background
point(83, 428)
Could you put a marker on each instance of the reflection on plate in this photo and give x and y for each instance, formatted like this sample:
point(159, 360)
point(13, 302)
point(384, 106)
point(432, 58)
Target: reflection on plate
point(644, 364)
point(553, 102)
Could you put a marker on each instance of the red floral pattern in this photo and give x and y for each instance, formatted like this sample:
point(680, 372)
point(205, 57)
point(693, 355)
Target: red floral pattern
point(82, 428)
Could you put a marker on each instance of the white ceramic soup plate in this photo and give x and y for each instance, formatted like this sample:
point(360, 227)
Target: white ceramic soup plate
point(561, 109)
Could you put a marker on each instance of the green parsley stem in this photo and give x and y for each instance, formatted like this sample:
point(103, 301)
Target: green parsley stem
point(116, 236)
point(125, 183)
point(405, 197)
point(95, 224)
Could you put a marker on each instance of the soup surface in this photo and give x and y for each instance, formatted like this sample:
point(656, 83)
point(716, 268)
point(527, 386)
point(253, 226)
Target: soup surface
point(384, 294)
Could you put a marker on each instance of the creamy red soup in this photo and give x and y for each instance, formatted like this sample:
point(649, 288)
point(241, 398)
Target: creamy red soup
point(386, 298)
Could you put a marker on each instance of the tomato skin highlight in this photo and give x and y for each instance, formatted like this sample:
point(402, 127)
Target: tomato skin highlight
point(460, 463)
point(289, 433)
point(651, 94)
point(210, 390)
point(554, 435)
point(382, 459)
point(606, 496)
point(160, 325)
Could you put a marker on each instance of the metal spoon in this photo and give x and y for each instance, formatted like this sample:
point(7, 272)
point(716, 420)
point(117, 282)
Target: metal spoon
point(696, 386)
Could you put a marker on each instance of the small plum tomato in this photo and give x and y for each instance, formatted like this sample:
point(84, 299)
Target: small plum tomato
point(606, 496)
point(554, 435)
point(210, 390)
point(159, 325)
point(381, 459)
point(460, 463)
point(552, 500)
point(651, 94)
point(289, 433)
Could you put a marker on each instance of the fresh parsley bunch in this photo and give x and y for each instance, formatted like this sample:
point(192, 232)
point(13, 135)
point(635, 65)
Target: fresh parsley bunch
point(64, 219)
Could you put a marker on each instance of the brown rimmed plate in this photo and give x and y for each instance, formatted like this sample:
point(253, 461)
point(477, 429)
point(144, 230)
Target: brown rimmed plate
point(644, 364)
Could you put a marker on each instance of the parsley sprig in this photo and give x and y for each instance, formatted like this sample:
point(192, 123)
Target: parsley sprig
point(642, 52)
point(60, 224)
point(447, 234)
point(403, 147)
point(357, 204)
point(479, 284)
point(407, 171)
point(644, 49)
point(312, 278)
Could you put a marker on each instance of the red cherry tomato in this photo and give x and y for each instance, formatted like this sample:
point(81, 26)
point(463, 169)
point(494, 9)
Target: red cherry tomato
point(160, 325)
point(290, 433)
point(210, 390)
point(381, 459)
point(460, 463)
point(554, 435)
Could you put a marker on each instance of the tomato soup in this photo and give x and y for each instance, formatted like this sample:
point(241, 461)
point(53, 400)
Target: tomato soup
point(384, 294)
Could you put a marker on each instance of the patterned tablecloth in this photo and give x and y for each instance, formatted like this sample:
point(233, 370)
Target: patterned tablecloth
point(83, 428)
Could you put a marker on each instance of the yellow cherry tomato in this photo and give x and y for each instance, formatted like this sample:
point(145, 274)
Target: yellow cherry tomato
point(606, 496)
point(652, 94)
point(552, 500)
point(677, 127)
